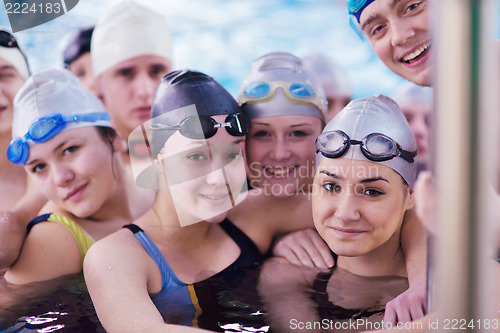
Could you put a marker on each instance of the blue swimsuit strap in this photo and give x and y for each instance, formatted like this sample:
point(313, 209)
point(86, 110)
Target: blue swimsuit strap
point(167, 274)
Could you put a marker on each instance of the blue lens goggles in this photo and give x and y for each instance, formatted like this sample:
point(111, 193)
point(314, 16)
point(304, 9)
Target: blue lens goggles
point(45, 128)
point(375, 146)
point(260, 90)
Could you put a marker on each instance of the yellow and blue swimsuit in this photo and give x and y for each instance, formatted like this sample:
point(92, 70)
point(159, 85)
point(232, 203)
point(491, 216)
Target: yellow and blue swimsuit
point(218, 303)
point(83, 240)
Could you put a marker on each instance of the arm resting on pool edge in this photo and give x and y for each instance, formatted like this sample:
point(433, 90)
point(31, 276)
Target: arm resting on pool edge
point(304, 247)
point(13, 225)
point(411, 304)
point(116, 274)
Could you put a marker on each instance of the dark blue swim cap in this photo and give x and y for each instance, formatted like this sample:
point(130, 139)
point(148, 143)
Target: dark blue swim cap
point(78, 45)
point(356, 7)
point(183, 88)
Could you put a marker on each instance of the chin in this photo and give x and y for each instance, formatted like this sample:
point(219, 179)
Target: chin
point(217, 219)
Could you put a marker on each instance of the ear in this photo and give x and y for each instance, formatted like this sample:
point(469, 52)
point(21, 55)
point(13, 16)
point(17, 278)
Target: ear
point(98, 84)
point(119, 145)
point(159, 169)
point(410, 198)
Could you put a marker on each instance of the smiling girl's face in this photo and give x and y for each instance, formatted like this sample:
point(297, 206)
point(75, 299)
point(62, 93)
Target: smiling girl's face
point(281, 153)
point(74, 170)
point(358, 206)
point(205, 178)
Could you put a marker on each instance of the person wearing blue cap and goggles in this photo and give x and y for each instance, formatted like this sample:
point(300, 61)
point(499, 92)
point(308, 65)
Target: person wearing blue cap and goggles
point(399, 33)
point(63, 138)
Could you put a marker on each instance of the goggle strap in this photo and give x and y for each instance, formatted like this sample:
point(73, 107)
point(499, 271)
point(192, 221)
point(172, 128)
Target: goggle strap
point(408, 156)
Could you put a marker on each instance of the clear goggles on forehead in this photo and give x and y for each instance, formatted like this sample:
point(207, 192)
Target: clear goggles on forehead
point(375, 146)
point(45, 128)
point(297, 91)
point(204, 127)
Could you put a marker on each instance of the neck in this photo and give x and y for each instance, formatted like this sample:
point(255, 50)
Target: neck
point(386, 260)
point(118, 205)
point(162, 219)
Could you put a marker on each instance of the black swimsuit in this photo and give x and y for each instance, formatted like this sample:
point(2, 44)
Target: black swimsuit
point(226, 300)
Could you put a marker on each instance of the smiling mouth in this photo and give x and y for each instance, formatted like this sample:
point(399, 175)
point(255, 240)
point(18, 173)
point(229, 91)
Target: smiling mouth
point(279, 171)
point(71, 194)
point(214, 197)
point(416, 54)
point(348, 232)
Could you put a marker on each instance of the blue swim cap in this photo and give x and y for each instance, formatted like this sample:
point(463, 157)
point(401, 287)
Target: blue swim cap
point(356, 7)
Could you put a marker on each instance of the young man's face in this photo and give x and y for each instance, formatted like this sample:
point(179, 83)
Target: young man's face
point(127, 90)
point(398, 31)
point(10, 83)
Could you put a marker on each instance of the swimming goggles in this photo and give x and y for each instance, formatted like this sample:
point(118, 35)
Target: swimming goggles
point(375, 146)
point(9, 41)
point(297, 91)
point(236, 124)
point(45, 128)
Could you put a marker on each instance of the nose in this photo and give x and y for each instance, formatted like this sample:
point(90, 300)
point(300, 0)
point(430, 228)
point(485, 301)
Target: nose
point(347, 209)
point(145, 86)
point(401, 31)
point(281, 150)
point(216, 177)
point(62, 175)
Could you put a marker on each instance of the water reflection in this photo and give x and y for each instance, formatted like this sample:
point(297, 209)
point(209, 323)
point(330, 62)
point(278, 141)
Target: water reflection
point(300, 299)
point(59, 305)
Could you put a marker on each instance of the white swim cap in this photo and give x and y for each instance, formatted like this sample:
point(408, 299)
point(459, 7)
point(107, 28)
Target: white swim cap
point(275, 80)
point(128, 30)
point(54, 91)
point(411, 93)
point(332, 78)
point(374, 115)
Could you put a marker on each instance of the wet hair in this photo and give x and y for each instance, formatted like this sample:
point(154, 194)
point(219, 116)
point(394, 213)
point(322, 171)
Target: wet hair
point(107, 134)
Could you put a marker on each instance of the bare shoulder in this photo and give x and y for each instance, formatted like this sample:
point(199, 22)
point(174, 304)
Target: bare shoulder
point(49, 251)
point(115, 247)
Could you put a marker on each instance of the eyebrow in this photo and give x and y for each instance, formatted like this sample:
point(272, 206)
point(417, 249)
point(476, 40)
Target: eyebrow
point(329, 174)
point(239, 141)
point(59, 146)
point(363, 181)
point(7, 67)
point(295, 125)
point(369, 20)
point(302, 124)
point(374, 179)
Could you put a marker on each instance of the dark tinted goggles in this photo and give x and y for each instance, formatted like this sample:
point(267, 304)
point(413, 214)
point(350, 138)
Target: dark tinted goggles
point(375, 146)
point(204, 127)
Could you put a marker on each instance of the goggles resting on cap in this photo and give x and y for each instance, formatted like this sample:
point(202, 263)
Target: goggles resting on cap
point(9, 41)
point(236, 124)
point(297, 91)
point(45, 128)
point(376, 147)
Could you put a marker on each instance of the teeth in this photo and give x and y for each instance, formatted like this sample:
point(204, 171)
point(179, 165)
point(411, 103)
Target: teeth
point(211, 197)
point(415, 54)
point(280, 171)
